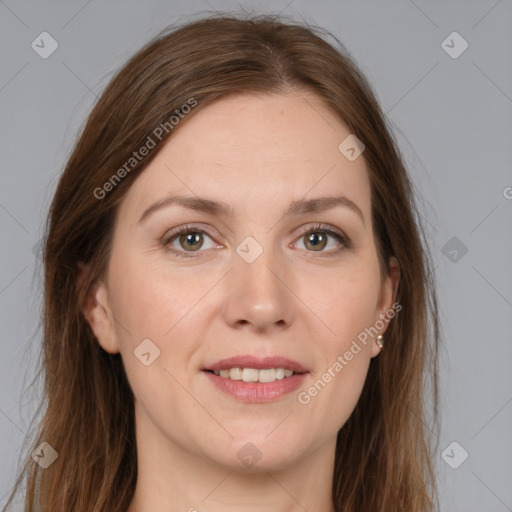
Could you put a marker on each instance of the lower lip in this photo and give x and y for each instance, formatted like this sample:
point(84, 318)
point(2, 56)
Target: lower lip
point(257, 391)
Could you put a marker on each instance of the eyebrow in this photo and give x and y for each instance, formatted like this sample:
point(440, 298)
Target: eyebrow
point(220, 208)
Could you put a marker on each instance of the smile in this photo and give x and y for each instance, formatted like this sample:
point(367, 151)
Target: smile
point(254, 375)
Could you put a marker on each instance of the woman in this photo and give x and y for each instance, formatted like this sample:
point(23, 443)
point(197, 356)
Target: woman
point(239, 309)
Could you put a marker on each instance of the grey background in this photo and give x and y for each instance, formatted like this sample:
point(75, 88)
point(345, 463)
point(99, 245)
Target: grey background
point(453, 121)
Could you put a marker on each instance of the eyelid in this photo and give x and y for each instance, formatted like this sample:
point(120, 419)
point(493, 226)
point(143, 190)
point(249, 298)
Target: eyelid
point(185, 228)
point(321, 227)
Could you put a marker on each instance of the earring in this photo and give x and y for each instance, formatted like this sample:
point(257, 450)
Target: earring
point(379, 340)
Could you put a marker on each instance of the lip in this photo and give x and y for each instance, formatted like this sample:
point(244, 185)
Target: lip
point(256, 392)
point(258, 363)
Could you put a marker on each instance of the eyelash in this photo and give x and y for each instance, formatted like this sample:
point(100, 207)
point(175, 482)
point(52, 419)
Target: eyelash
point(317, 228)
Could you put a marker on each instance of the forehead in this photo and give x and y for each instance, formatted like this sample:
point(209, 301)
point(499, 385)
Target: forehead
point(251, 151)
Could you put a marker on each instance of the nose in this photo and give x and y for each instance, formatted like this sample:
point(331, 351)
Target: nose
point(259, 296)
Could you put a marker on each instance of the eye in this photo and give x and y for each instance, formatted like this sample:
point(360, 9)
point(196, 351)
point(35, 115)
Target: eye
point(187, 239)
point(317, 238)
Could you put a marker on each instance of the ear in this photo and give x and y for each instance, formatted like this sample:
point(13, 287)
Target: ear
point(387, 297)
point(96, 310)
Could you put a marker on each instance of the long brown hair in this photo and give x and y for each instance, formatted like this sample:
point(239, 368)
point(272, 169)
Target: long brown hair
point(384, 453)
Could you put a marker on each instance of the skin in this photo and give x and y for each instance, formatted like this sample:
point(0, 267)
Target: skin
point(258, 154)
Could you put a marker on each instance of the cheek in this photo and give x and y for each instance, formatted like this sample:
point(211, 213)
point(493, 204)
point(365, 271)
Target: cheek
point(334, 390)
point(348, 306)
point(151, 301)
point(166, 306)
point(150, 305)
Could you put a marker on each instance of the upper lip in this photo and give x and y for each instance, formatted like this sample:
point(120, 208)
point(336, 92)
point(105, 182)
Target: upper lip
point(259, 363)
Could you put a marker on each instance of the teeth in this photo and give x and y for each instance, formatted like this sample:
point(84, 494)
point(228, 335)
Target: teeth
point(235, 373)
point(250, 375)
point(254, 375)
point(267, 375)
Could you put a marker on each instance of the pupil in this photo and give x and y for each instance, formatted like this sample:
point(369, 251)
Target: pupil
point(316, 240)
point(192, 239)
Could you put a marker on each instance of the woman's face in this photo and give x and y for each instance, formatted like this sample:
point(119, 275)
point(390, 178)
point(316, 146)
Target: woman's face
point(252, 283)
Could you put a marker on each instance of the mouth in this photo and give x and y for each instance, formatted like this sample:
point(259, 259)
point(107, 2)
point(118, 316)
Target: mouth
point(254, 379)
point(254, 374)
